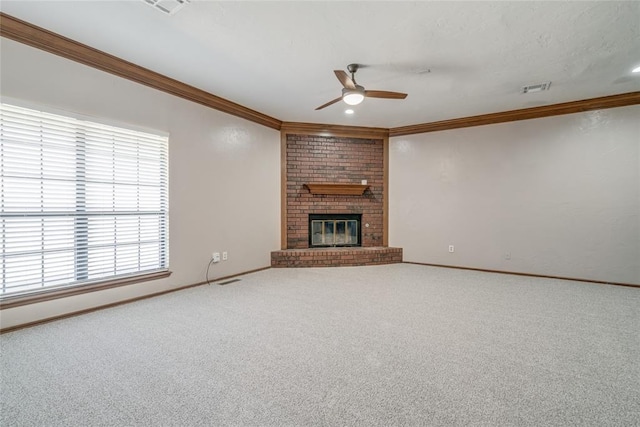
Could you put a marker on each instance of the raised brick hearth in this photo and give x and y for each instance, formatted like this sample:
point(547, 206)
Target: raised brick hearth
point(335, 257)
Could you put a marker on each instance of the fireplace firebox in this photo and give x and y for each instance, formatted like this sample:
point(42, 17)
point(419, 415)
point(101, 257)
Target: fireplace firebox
point(334, 230)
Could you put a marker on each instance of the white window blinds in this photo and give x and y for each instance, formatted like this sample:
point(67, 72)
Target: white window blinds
point(80, 202)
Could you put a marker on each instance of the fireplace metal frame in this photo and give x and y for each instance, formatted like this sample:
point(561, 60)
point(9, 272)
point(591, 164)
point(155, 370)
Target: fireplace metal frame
point(336, 217)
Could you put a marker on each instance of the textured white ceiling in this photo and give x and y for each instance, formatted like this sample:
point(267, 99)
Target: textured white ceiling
point(278, 57)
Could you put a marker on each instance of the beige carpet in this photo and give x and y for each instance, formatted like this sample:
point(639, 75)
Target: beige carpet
point(365, 346)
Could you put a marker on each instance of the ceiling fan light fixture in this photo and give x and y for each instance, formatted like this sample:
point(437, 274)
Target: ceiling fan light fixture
point(353, 96)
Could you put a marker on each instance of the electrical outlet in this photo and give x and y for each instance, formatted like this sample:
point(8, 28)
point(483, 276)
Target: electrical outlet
point(216, 257)
point(451, 249)
point(507, 256)
point(225, 255)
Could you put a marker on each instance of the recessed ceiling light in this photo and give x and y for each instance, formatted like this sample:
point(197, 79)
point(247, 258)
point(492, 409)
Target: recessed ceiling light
point(349, 111)
point(636, 70)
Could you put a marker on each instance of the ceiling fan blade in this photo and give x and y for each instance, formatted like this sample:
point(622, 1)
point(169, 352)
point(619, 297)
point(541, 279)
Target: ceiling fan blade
point(345, 79)
point(329, 103)
point(384, 94)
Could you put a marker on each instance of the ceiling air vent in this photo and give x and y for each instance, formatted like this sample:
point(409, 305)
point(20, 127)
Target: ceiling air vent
point(536, 88)
point(167, 6)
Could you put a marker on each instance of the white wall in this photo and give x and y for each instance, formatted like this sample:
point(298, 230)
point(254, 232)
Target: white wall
point(561, 195)
point(224, 172)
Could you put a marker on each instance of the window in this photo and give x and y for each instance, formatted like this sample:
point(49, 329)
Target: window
point(81, 202)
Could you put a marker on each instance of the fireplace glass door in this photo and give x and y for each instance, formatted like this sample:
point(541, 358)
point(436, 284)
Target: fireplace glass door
point(334, 230)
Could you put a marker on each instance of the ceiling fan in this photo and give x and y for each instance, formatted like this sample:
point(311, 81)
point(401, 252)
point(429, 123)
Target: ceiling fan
point(353, 93)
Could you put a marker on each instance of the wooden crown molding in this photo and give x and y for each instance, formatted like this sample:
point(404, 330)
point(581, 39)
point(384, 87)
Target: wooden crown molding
point(29, 34)
point(334, 130)
point(24, 32)
point(622, 100)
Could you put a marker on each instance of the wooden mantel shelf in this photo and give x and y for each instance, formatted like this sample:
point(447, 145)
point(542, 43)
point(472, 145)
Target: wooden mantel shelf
point(334, 188)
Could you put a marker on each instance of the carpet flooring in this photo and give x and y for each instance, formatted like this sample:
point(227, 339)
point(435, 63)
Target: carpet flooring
point(392, 345)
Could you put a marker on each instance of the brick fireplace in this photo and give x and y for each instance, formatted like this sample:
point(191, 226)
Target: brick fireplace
point(338, 177)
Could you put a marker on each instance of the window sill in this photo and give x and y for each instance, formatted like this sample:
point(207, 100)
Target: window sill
point(52, 294)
